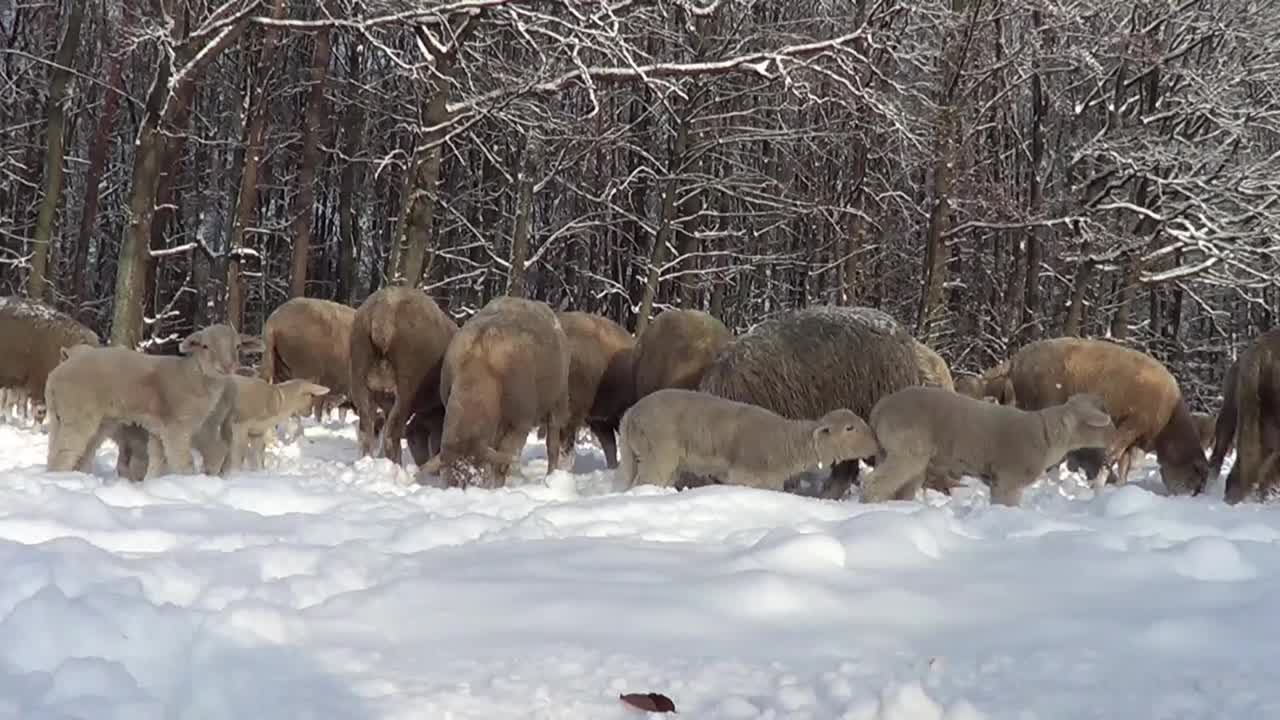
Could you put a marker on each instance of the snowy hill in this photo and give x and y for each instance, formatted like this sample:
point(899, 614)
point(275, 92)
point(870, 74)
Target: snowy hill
point(327, 589)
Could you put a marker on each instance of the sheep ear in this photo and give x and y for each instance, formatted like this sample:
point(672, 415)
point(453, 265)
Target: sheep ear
point(251, 344)
point(1095, 418)
point(314, 389)
point(191, 342)
point(821, 430)
point(63, 353)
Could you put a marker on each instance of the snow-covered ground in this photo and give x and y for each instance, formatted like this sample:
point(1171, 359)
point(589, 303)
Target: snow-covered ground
point(330, 588)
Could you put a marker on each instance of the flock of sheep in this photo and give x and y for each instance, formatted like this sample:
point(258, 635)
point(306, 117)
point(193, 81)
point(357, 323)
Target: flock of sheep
point(686, 402)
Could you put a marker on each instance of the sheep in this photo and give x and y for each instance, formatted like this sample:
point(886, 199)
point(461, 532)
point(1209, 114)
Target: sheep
point(675, 350)
point(33, 335)
point(95, 390)
point(933, 369)
point(398, 340)
point(1250, 418)
point(309, 339)
point(743, 444)
point(506, 371)
point(993, 383)
point(600, 353)
point(1139, 393)
point(1205, 424)
point(806, 363)
point(928, 431)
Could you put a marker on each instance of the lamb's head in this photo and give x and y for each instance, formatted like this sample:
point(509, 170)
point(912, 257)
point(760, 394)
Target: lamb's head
point(217, 348)
point(970, 385)
point(1088, 424)
point(842, 435)
point(297, 396)
point(76, 349)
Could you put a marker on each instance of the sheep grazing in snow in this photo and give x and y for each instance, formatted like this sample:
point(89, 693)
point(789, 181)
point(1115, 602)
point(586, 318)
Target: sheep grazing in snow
point(600, 354)
point(398, 340)
point(993, 384)
point(1250, 418)
point(33, 336)
point(310, 339)
point(675, 349)
point(1139, 393)
point(805, 363)
point(257, 408)
point(506, 371)
point(924, 431)
point(742, 444)
point(933, 369)
point(95, 390)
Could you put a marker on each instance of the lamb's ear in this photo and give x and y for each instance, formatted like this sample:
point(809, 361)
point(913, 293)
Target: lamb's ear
point(251, 344)
point(1089, 412)
point(314, 389)
point(191, 342)
point(63, 353)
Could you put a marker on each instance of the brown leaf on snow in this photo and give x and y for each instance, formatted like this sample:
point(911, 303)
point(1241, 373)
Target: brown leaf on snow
point(649, 702)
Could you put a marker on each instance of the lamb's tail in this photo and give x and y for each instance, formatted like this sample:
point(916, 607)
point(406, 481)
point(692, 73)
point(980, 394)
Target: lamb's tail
point(382, 323)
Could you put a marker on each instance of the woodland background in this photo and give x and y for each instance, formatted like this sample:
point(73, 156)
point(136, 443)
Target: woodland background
point(987, 171)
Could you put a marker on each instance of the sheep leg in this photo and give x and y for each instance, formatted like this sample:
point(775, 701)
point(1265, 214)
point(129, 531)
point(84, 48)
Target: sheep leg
point(85, 464)
point(892, 475)
point(1007, 489)
point(626, 472)
point(177, 451)
point(510, 445)
point(604, 434)
point(658, 471)
point(68, 443)
point(843, 475)
point(911, 488)
point(394, 426)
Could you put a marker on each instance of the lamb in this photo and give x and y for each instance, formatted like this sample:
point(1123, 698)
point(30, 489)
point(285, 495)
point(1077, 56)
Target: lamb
point(1139, 393)
point(674, 429)
point(1250, 417)
point(676, 349)
point(805, 363)
point(600, 354)
point(993, 383)
point(506, 371)
point(933, 369)
point(33, 335)
point(927, 431)
point(398, 340)
point(309, 339)
point(96, 390)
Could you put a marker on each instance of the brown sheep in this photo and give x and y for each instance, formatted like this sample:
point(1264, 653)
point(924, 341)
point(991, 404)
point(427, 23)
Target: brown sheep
point(309, 339)
point(743, 444)
point(675, 350)
point(1140, 394)
point(1250, 418)
point(34, 335)
point(927, 431)
point(806, 363)
point(398, 341)
point(1205, 424)
point(600, 352)
point(506, 371)
point(933, 369)
point(95, 390)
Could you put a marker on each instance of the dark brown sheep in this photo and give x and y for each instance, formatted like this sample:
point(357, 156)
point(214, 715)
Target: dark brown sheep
point(1140, 393)
point(309, 339)
point(1251, 418)
point(675, 349)
point(600, 352)
point(506, 371)
point(806, 363)
point(398, 340)
point(33, 336)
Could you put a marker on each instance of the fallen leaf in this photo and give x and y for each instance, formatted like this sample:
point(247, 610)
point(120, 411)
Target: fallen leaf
point(649, 702)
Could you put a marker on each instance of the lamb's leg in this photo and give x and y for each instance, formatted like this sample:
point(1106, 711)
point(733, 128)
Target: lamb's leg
point(510, 444)
point(155, 463)
point(85, 465)
point(68, 443)
point(911, 488)
point(625, 475)
point(843, 475)
point(891, 475)
point(1007, 489)
point(605, 435)
point(393, 428)
point(176, 444)
point(554, 431)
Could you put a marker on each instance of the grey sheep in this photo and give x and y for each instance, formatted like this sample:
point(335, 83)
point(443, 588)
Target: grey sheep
point(806, 363)
point(675, 349)
point(1138, 391)
point(33, 335)
point(398, 341)
point(506, 371)
point(600, 380)
point(674, 429)
point(96, 390)
point(925, 431)
point(1250, 419)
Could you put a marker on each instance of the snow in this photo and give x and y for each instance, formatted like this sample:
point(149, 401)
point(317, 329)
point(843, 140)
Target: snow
point(330, 587)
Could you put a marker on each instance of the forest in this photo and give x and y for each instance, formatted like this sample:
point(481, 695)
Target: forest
point(987, 171)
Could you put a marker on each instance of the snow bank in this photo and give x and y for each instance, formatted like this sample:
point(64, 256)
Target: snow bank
point(329, 587)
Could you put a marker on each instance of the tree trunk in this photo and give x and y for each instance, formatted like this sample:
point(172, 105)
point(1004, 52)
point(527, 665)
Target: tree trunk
point(1031, 308)
point(98, 149)
point(348, 228)
point(1074, 326)
point(42, 239)
point(305, 215)
point(247, 198)
point(937, 252)
point(662, 238)
point(422, 192)
point(522, 228)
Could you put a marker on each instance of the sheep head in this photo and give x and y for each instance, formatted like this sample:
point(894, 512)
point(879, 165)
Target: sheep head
point(1090, 425)
point(217, 348)
point(842, 435)
point(297, 395)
